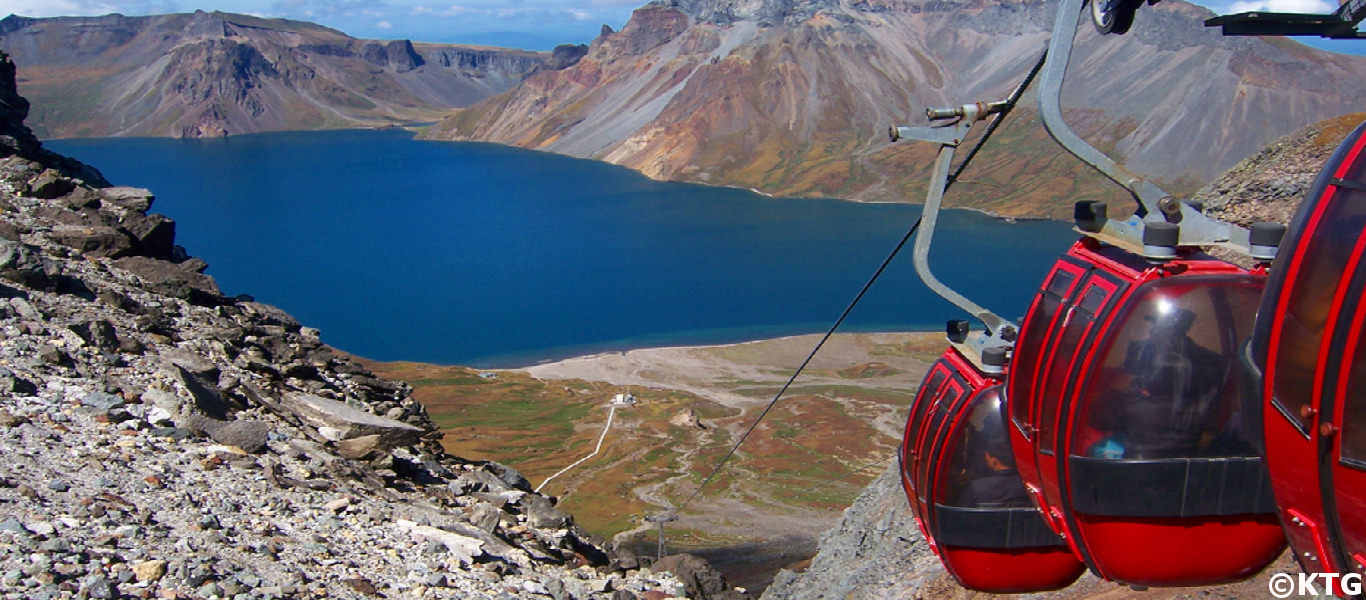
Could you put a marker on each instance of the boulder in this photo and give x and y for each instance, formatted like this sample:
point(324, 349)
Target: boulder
point(701, 580)
point(247, 434)
point(25, 265)
point(466, 548)
point(98, 333)
point(349, 422)
point(540, 513)
point(93, 240)
point(170, 279)
point(508, 475)
point(191, 362)
point(207, 399)
point(153, 235)
point(130, 198)
point(50, 184)
point(363, 447)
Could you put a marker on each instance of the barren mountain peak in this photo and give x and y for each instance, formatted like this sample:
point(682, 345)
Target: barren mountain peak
point(765, 12)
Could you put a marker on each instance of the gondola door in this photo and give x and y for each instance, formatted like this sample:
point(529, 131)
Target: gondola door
point(1345, 394)
point(1348, 456)
point(1308, 341)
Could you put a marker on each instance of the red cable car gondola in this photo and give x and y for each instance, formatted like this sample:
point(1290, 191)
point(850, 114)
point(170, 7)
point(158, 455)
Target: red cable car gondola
point(1310, 342)
point(1126, 411)
point(959, 476)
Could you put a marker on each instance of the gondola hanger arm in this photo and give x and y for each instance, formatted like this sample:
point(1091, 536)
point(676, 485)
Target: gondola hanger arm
point(1194, 228)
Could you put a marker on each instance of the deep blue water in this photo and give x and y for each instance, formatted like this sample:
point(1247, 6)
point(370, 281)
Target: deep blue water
point(485, 255)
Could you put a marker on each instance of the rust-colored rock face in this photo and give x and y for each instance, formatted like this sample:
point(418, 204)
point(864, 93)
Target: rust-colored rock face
point(791, 97)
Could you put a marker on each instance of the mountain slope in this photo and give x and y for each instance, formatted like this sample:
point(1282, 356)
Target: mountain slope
point(791, 96)
point(161, 440)
point(212, 74)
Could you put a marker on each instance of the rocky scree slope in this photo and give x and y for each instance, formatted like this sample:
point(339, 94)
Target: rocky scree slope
point(793, 97)
point(164, 441)
point(876, 550)
point(213, 74)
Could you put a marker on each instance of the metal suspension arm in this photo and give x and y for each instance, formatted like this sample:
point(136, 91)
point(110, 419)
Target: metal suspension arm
point(948, 138)
point(1154, 205)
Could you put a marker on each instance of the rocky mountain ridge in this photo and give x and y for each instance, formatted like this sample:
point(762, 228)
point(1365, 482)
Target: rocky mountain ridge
point(790, 97)
point(163, 440)
point(213, 74)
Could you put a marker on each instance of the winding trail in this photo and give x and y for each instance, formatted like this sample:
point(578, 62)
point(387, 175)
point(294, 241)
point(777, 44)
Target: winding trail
point(612, 412)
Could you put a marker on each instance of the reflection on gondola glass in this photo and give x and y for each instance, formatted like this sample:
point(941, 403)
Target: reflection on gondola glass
point(1169, 384)
point(982, 469)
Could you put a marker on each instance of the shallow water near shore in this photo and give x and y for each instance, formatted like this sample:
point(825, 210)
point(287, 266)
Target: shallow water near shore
point(490, 256)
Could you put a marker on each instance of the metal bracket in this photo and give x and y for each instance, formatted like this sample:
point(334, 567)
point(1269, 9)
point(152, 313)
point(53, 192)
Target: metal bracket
point(948, 137)
point(1154, 204)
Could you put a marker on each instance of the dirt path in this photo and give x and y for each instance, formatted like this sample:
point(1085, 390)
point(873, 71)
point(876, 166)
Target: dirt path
point(721, 373)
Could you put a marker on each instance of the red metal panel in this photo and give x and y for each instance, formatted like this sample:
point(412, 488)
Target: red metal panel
point(1183, 552)
point(1013, 571)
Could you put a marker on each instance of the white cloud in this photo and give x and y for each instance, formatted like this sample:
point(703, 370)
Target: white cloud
point(1290, 6)
point(54, 8)
point(385, 25)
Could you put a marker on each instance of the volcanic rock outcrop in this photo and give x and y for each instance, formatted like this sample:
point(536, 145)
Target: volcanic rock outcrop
point(161, 440)
point(792, 96)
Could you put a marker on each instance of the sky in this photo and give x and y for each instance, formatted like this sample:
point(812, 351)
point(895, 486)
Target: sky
point(530, 24)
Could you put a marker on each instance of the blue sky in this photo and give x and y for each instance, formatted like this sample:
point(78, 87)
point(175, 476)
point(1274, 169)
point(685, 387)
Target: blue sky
point(533, 24)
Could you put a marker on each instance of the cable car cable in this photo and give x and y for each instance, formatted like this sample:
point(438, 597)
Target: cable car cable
point(779, 395)
point(1007, 105)
point(1001, 110)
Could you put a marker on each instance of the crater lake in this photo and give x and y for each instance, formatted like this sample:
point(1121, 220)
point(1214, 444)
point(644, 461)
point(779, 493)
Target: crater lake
point(490, 256)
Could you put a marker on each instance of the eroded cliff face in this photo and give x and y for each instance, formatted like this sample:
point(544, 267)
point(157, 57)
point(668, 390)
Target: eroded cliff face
point(214, 74)
point(791, 97)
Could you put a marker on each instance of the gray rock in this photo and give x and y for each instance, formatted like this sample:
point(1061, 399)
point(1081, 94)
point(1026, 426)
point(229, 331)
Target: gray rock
point(249, 435)
point(129, 198)
point(25, 265)
point(874, 551)
point(207, 399)
point(508, 475)
point(15, 385)
point(50, 184)
point(485, 516)
point(698, 576)
point(361, 448)
point(99, 587)
point(58, 485)
point(13, 525)
point(541, 514)
point(52, 356)
point(152, 235)
point(191, 362)
point(98, 333)
point(350, 422)
point(169, 279)
point(102, 401)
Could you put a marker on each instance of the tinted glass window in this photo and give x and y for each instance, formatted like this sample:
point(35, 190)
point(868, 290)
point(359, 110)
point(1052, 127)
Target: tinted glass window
point(1028, 352)
point(1323, 259)
point(1060, 366)
point(953, 395)
point(1354, 409)
point(929, 390)
point(1169, 381)
point(979, 470)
